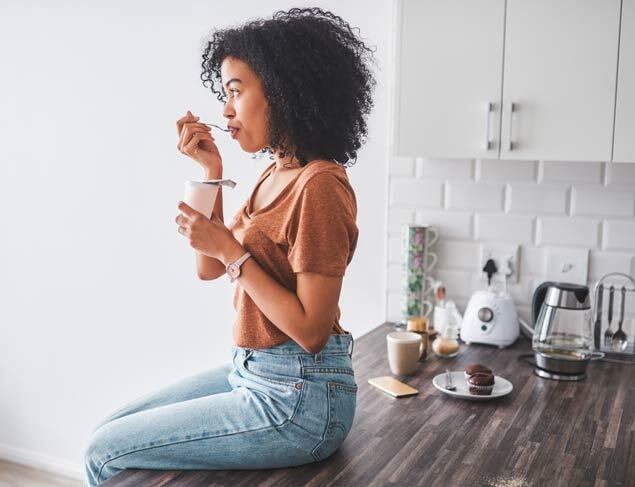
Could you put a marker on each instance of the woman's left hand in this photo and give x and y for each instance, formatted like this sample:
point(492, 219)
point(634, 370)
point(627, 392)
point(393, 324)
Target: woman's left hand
point(209, 236)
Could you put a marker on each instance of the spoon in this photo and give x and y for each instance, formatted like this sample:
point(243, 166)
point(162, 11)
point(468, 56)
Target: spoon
point(448, 381)
point(620, 339)
point(217, 126)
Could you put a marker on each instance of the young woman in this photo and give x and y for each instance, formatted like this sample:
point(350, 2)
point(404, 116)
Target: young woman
point(296, 86)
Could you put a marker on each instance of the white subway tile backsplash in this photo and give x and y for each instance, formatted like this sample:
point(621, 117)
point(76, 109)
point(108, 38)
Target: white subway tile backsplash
point(397, 217)
point(393, 310)
point(474, 196)
point(538, 198)
point(457, 255)
point(568, 231)
point(620, 235)
point(416, 193)
point(534, 204)
point(602, 201)
point(492, 170)
point(532, 261)
point(458, 284)
point(601, 263)
point(402, 166)
point(395, 249)
point(505, 228)
point(395, 277)
point(570, 172)
point(450, 224)
point(522, 291)
point(444, 168)
point(621, 173)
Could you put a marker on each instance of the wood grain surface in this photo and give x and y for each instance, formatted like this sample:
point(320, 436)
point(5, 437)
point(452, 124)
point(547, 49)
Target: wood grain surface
point(545, 433)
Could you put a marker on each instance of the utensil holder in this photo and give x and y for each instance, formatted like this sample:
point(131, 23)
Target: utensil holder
point(616, 279)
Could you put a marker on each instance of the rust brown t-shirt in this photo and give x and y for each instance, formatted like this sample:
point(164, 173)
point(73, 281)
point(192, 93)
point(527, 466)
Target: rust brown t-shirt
point(309, 227)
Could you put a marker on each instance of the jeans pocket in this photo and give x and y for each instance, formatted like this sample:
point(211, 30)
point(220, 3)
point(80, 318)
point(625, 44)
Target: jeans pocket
point(341, 399)
point(270, 372)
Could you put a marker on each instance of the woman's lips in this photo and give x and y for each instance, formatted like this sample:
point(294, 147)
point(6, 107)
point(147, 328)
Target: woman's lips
point(234, 132)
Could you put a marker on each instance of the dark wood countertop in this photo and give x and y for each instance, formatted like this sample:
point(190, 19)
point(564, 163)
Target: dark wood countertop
point(544, 433)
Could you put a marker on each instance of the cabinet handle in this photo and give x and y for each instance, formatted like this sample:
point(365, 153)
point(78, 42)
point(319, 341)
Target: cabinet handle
point(488, 111)
point(512, 109)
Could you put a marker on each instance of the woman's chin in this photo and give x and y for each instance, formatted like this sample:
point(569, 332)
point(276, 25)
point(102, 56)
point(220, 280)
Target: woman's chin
point(250, 147)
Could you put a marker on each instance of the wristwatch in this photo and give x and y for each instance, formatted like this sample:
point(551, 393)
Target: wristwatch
point(233, 268)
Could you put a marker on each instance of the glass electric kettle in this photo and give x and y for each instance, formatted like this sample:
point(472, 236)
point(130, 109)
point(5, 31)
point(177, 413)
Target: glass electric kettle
point(562, 338)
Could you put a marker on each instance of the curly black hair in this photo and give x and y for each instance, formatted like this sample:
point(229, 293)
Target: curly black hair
point(316, 77)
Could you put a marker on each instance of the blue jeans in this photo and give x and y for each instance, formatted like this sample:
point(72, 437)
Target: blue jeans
point(271, 408)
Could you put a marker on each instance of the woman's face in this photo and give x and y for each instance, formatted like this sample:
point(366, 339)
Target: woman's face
point(246, 107)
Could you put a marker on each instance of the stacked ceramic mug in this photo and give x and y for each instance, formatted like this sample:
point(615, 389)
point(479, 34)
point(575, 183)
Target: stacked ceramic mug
point(417, 264)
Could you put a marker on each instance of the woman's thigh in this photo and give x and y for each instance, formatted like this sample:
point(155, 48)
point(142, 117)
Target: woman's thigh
point(239, 429)
point(206, 383)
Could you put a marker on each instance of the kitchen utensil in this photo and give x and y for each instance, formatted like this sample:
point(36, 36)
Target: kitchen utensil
point(491, 318)
point(597, 327)
point(619, 280)
point(562, 330)
point(608, 333)
point(502, 387)
point(620, 340)
point(217, 126)
point(448, 381)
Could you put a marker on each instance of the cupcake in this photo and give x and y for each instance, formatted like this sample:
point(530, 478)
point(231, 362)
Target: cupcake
point(476, 369)
point(481, 384)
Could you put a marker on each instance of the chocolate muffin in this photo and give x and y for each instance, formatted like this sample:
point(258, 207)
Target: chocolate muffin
point(476, 369)
point(481, 384)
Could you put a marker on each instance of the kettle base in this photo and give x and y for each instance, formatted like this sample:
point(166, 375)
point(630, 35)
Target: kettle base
point(547, 374)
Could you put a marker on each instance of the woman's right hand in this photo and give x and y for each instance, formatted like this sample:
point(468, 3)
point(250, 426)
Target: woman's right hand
point(196, 142)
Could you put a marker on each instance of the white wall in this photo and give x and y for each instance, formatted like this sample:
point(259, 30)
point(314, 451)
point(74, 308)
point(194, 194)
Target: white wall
point(99, 299)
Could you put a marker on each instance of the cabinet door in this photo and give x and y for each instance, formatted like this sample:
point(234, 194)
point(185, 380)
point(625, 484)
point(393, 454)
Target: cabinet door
point(449, 58)
point(624, 142)
point(559, 77)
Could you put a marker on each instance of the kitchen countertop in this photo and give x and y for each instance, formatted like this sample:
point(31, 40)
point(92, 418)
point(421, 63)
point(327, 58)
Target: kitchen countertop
point(544, 433)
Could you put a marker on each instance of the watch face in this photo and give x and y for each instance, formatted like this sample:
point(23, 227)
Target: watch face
point(232, 270)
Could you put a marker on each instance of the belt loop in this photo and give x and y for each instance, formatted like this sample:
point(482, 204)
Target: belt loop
point(350, 347)
point(318, 358)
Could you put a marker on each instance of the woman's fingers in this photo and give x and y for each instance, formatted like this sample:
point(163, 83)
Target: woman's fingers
point(181, 219)
point(191, 147)
point(187, 118)
point(189, 131)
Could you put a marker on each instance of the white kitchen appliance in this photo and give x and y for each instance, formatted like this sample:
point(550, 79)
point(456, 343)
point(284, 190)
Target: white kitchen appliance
point(490, 318)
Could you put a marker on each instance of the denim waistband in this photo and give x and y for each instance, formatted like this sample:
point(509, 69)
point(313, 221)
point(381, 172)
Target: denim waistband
point(337, 344)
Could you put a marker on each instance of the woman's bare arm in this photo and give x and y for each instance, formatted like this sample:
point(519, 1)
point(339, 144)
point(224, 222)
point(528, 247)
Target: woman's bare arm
point(210, 268)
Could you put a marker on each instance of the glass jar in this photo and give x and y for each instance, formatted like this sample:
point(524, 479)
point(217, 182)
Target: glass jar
point(447, 343)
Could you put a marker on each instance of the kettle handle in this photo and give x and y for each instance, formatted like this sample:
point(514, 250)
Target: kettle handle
point(538, 299)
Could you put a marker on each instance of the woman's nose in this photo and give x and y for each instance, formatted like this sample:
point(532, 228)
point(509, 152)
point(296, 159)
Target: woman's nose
point(228, 111)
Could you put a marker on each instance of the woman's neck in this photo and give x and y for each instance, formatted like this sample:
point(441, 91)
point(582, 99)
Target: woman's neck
point(288, 162)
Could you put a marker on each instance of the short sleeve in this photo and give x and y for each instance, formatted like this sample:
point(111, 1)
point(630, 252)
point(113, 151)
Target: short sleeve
point(322, 232)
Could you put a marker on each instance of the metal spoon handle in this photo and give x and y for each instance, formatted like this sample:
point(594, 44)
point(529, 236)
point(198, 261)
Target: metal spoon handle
point(217, 126)
point(622, 307)
point(611, 297)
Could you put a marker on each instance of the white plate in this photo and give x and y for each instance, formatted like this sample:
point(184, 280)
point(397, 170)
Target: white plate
point(502, 387)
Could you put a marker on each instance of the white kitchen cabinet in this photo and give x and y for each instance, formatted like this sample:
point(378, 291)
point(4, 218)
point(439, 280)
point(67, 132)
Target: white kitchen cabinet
point(450, 58)
point(624, 141)
point(554, 62)
point(559, 77)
